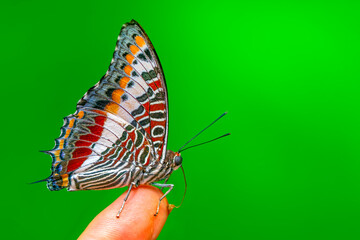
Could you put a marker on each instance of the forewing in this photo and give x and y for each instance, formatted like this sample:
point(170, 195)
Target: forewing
point(134, 88)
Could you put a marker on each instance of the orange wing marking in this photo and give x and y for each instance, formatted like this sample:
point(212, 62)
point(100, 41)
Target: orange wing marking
point(134, 49)
point(130, 58)
point(128, 70)
point(139, 41)
point(123, 82)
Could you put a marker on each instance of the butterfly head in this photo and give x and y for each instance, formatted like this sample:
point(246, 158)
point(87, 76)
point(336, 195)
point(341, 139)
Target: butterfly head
point(177, 161)
point(174, 158)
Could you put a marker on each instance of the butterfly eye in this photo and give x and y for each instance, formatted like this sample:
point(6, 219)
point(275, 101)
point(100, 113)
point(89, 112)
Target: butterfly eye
point(178, 160)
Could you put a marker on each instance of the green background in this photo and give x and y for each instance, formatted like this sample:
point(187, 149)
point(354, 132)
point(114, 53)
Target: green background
point(287, 73)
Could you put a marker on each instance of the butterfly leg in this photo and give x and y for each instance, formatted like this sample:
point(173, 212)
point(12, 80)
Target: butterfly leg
point(126, 197)
point(162, 185)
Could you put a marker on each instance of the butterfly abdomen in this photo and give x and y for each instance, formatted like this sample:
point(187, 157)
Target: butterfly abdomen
point(57, 182)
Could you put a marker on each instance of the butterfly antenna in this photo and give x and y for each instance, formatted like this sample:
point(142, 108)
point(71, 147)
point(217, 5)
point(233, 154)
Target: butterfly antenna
point(202, 130)
point(206, 141)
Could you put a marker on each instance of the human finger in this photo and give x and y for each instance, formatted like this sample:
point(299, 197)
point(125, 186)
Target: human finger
point(137, 220)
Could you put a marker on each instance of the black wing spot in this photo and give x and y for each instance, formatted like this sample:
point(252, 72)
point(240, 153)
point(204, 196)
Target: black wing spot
point(142, 98)
point(157, 131)
point(122, 138)
point(134, 74)
point(126, 156)
point(124, 97)
point(145, 76)
point(138, 111)
point(129, 145)
point(147, 52)
point(144, 155)
point(152, 74)
point(150, 92)
point(109, 92)
point(160, 96)
point(157, 115)
point(130, 127)
point(102, 103)
point(117, 79)
point(139, 139)
point(144, 122)
point(142, 57)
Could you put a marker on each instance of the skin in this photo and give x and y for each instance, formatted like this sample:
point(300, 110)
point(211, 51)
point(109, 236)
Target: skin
point(137, 220)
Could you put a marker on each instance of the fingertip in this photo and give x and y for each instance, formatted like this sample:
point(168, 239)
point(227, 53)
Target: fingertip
point(136, 221)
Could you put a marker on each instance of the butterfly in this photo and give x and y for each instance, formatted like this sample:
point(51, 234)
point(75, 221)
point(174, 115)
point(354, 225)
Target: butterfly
point(118, 135)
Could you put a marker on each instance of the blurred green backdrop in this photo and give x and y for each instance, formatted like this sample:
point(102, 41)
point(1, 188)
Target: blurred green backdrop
point(287, 73)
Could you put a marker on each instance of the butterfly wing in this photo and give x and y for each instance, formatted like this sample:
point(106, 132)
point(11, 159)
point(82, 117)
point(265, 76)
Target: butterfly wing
point(121, 123)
